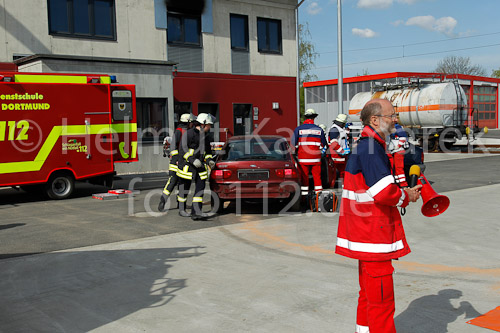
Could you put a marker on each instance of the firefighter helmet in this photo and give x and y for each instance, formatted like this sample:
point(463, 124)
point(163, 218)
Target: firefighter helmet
point(323, 127)
point(310, 113)
point(341, 118)
point(186, 118)
point(205, 118)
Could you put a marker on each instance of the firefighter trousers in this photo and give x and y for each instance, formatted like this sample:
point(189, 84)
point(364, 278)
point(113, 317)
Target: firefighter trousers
point(376, 306)
point(184, 186)
point(306, 169)
point(172, 181)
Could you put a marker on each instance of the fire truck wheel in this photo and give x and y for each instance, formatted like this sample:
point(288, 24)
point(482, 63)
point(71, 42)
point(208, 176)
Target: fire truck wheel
point(60, 186)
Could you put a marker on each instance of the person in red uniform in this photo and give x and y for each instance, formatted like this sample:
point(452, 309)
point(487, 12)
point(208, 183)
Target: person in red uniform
point(370, 227)
point(308, 140)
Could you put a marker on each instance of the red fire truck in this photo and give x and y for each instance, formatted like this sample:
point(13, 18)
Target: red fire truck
point(58, 128)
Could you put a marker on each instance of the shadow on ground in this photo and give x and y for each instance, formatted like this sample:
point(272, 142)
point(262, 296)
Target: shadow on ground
point(433, 313)
point(82, 291)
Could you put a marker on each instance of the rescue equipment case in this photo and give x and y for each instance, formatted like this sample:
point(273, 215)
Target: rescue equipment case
point(324, 201)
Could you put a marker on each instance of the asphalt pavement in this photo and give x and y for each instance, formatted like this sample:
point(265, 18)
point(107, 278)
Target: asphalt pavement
point(275, 273)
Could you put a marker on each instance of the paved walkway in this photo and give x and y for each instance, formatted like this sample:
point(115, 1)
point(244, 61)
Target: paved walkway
point(275, 275)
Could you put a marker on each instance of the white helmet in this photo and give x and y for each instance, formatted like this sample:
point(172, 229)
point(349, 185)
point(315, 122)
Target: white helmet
point(205, 118)
point(310, 113)
point(341, 118)
point(186, 118)
point(323, 127)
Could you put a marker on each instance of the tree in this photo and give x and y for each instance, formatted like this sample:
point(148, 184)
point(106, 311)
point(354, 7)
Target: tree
point(307, 57)
point(459, 65)
point(496, 73)
point(307, 54)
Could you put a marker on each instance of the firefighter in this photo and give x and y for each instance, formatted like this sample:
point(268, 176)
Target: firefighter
point(338, 138)
point(397, 148)
point(309, 139)
point(338, 142)
point(186, 122)
point(194, 156)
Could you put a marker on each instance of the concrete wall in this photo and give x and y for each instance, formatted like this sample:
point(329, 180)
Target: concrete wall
point(217, 45)
point(151, 160)
point(24, 30)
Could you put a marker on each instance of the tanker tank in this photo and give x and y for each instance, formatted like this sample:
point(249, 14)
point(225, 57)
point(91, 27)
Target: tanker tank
point(433, 105)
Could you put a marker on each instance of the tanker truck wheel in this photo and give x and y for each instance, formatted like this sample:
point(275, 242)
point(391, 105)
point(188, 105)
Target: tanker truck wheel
point(60, 186)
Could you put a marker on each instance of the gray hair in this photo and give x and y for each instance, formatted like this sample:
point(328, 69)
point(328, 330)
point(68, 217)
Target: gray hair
point(369, 110)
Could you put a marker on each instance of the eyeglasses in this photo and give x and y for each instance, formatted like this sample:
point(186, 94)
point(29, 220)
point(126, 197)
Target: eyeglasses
point(392, 116)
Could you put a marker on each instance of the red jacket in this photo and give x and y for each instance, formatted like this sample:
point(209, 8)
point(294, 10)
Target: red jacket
point(309, 139)
point(370, 226)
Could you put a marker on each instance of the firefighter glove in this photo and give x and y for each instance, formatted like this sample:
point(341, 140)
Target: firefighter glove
point(211, 163)
point(197, 163)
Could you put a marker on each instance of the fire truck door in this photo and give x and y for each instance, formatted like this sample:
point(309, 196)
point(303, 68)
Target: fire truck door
point(124, 126)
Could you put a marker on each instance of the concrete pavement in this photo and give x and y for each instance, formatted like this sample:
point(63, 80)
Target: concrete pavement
point(273, 275)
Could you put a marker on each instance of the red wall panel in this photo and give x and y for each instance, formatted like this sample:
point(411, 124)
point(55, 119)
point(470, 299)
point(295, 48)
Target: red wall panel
point(226, 90)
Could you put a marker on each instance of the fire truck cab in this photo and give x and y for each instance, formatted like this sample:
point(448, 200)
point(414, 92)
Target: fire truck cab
point(59, 128)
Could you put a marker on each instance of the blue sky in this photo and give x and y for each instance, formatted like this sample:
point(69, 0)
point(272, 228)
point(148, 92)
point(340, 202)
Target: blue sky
point(411, 35)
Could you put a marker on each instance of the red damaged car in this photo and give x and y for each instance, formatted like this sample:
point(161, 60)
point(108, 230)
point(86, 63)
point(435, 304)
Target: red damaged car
point(255, 167)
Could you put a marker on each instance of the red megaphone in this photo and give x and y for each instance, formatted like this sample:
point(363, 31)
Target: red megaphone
point(434, 204)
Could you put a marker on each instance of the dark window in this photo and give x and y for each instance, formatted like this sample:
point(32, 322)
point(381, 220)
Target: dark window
point(82, 18)
point(179, 109)
point(152, 119)
point(269, 35)
point(184, 29)
point(239, 32)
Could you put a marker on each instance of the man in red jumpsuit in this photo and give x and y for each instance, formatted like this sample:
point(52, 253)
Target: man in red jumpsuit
point(309, 139)
point(370, 227)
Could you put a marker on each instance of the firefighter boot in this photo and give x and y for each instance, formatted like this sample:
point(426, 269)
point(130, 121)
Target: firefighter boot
point(163, 201)
point(182, 210)
point(198, 214)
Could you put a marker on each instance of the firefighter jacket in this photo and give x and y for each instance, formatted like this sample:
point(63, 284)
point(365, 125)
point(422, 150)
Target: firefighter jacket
point(175, 143)
point(337, 137)
point(370, 226)
point(397, 149)
point(195, 144)
point(308, 139)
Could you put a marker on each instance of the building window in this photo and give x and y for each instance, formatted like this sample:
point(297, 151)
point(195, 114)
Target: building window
point(152, 119)
point(179, 109)
point(269, 35)
point(82, 18)
point(239, 32)
point(184, 29)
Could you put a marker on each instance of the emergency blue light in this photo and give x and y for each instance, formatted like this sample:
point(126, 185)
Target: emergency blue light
point(113, 78)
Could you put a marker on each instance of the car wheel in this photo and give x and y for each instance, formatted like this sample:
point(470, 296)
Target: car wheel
point(60, 186)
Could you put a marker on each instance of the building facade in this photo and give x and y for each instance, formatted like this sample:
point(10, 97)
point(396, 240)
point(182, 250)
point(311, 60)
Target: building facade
point(235, 59)
point(482, 93)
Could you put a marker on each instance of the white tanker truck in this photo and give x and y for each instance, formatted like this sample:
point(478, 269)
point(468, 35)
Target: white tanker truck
point(436, 114)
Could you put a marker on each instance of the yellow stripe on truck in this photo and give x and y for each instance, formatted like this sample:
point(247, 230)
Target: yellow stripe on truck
point(26, 78)
point(56, 133)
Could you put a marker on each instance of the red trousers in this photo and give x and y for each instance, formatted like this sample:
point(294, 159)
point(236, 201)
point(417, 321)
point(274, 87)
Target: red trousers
point(376, 298)
point(315, 169)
